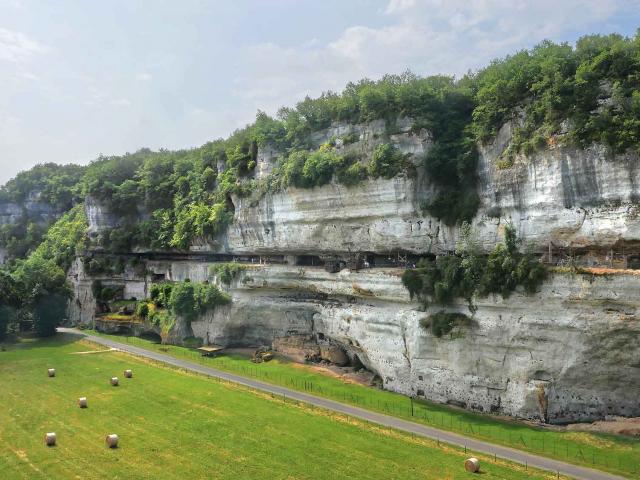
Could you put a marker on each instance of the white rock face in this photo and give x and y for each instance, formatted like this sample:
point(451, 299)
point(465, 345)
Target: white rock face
point(381, 217)
point(570, 352)
point(31, 210)
point(575, 342)
point(82, 306)
point(32, 207)
point(570, 197)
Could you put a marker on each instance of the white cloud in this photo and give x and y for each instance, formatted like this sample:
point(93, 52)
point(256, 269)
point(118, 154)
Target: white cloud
point(425, 36)
point(15, 47)
point(399, 5)
point(121, 102)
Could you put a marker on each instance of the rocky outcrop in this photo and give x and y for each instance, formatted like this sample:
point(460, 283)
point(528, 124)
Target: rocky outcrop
point(569, 197)
point(571, 352)
point(568, 353)
point(31, 210)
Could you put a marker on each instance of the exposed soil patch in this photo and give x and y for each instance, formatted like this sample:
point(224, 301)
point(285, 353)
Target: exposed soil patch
point(346, 374)
point(618, 425)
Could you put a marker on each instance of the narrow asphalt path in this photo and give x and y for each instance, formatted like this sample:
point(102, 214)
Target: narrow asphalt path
point(367, 415)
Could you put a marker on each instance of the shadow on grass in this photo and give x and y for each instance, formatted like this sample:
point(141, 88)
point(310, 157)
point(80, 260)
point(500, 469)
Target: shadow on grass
point(27, 341)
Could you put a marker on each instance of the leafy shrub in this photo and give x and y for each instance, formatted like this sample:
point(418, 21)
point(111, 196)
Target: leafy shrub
point(226, 272)
point(199, 221)
point(306, 170)
point(187, 299)
point(65, 238)
point(467, 273)
point(442, 323)
point(160, 294)
point(351, 175)
point(318, 168)
point(386, 161)
point(183, 300)
point(162, 319)
point(142, 309)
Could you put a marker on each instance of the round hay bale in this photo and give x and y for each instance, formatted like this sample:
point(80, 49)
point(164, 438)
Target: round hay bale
point(51, 372)
point(82, 402)
point(50, 439)
point(114, 381)
point(128, 373)
point(472, 465)
point(111, 440)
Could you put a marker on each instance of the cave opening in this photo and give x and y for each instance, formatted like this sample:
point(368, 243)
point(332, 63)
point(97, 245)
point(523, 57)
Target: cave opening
point(309, 261)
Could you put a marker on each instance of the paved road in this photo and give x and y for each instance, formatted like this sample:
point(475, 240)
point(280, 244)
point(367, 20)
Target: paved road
point(373, 417)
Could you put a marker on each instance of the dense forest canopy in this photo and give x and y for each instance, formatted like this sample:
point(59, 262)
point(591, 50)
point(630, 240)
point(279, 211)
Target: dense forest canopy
point(578, 94)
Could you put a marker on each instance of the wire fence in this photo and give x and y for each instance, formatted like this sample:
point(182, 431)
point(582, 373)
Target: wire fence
point(546, 443)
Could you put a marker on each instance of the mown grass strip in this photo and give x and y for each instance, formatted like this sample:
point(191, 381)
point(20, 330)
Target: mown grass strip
point(612, 453)
point(180, 425)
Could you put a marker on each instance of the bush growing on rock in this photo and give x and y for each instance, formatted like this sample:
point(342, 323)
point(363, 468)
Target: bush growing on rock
point(142, 309)
point(386, 161)
point(226, 272)
point(186, 299)
point(468, 273)
point(160, 293)
point(442, 323)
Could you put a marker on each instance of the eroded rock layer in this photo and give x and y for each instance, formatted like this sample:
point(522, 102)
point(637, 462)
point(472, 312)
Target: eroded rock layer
point(569, 352)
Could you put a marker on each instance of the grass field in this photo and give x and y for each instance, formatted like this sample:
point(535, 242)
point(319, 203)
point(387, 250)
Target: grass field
point(607, 452)
point(174, 424)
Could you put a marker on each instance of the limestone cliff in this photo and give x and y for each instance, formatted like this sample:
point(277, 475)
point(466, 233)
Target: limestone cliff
point(32, 209)
point(569, 352)
point(572, 198)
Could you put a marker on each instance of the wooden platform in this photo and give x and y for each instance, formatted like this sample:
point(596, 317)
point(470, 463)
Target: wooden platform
point(210, 350)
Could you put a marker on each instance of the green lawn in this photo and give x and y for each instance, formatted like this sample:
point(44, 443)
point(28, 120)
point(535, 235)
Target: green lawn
point(612, 453)
point(174, 424)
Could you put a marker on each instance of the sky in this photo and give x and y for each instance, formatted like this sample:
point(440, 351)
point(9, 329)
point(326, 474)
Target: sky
point(84, 78)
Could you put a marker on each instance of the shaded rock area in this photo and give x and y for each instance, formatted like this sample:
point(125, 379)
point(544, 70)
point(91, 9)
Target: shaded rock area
point(306, 348)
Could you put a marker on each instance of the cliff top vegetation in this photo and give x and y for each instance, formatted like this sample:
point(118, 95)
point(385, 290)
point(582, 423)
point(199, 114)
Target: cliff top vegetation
point(170, 199)
point(580, 94)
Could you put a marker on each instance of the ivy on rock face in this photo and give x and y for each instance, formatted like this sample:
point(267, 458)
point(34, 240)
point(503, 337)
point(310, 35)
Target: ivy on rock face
point(468, 273)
